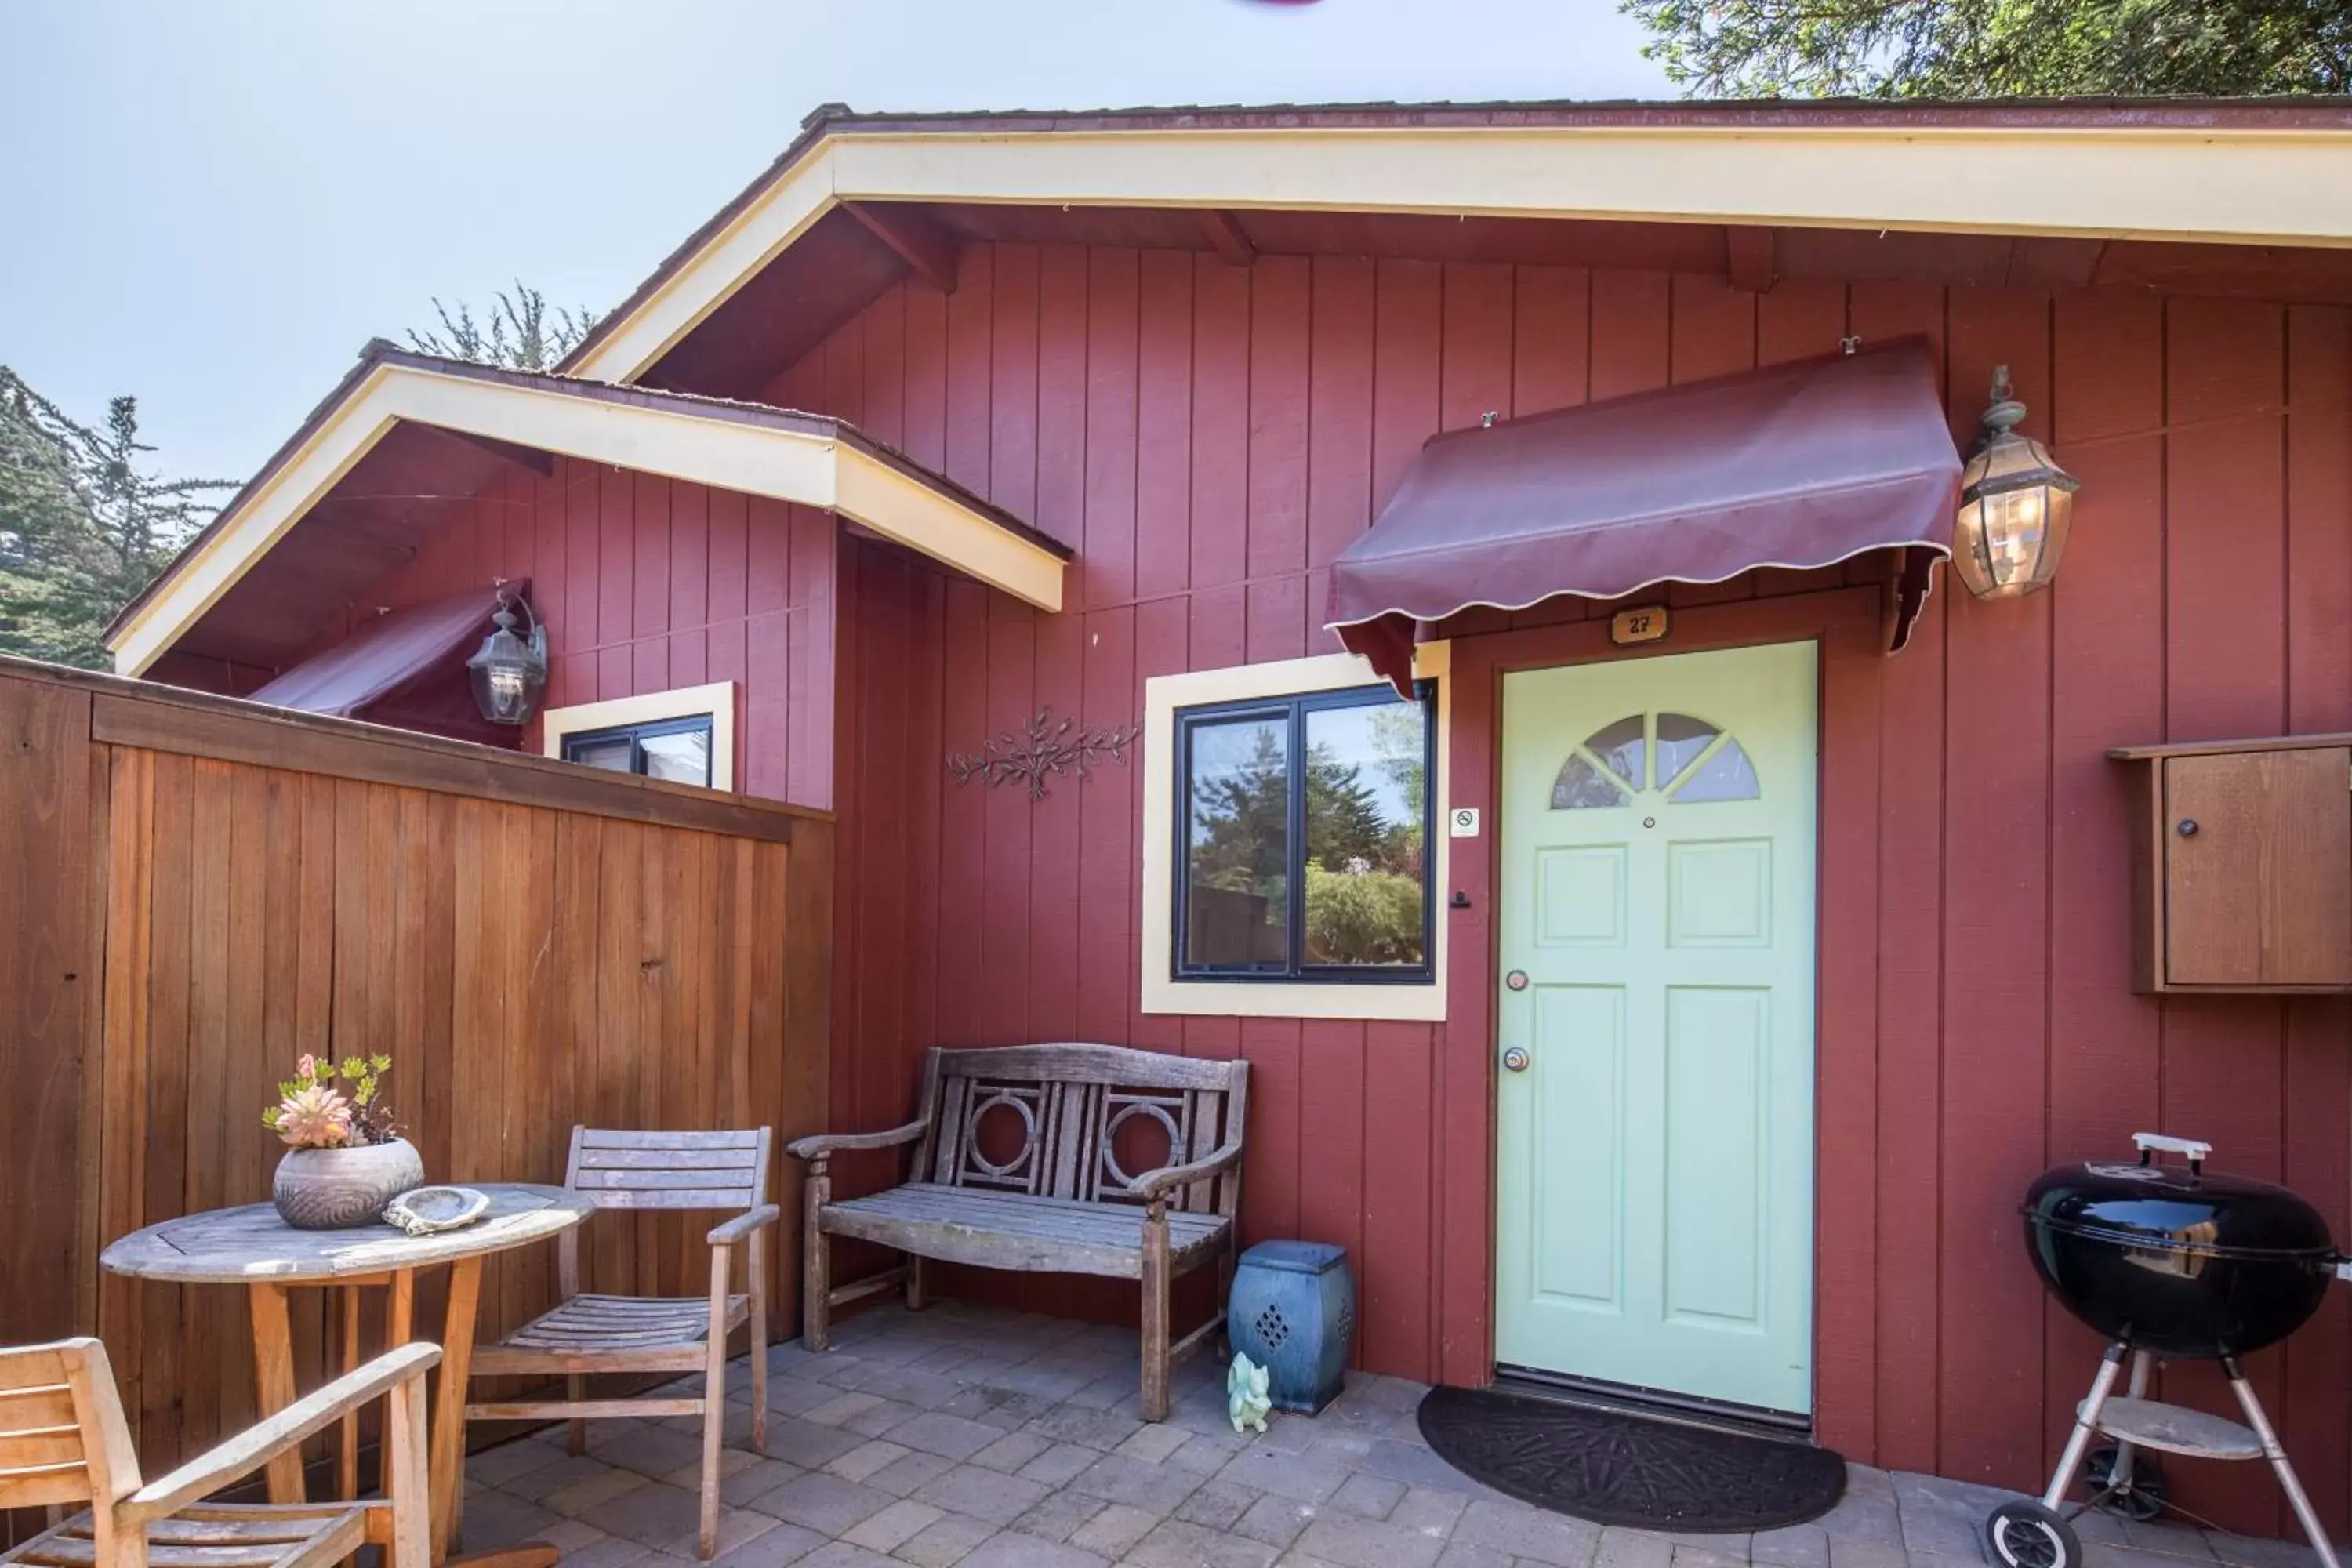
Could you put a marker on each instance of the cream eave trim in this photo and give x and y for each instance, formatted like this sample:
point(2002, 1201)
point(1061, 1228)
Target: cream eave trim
point(717, 699)
point(1163, 696)
point(758, 460)
point(2219, 185)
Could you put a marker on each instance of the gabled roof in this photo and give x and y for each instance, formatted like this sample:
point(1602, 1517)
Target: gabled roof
point(2269, 172)
point(810, 459)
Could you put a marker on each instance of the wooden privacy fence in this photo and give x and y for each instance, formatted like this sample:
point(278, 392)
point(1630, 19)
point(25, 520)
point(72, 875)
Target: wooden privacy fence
point(194, 890)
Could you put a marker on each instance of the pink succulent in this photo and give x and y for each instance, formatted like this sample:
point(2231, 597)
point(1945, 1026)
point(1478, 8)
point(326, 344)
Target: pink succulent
point(306, 1066)
point(314, 1118)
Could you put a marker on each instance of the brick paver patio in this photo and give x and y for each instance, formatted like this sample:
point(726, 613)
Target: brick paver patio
point(962, 1435)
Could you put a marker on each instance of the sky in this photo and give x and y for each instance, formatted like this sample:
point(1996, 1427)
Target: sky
point(213, 204)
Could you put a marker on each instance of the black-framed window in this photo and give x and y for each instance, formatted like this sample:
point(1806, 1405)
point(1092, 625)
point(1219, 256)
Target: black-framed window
point(674, 749)
point(1302, 838)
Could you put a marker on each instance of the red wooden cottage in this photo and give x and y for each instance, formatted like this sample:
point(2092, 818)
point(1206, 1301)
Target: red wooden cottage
point(1678, 999)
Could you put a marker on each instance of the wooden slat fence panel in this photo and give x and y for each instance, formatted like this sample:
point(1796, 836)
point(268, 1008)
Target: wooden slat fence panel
point(180, 920)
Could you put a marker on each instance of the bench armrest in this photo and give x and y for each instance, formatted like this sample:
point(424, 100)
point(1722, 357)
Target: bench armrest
point(743, 1225)
point(256, 1445)
point(1153, 1185)
point(827, 1144)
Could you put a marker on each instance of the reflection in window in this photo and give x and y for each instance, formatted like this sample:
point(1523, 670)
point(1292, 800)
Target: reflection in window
point(1726, 774)
point(1691, 760)
point(1237, 847)
point(1581, 785)
point(1681, 739)
point(1365, 792)
point(1618, 748)
point(1305, 837)
point(674, 749)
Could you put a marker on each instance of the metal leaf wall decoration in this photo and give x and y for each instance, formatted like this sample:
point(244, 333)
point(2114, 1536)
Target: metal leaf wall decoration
point(1041, 751)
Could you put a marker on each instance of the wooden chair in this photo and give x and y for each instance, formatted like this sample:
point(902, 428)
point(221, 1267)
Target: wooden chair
point(590, 1333)
point(63, 1440)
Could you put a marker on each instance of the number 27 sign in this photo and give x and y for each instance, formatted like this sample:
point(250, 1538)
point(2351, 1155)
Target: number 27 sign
point(1643, 623)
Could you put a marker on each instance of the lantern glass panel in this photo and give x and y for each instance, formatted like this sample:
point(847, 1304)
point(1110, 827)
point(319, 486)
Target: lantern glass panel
point(2012, 528)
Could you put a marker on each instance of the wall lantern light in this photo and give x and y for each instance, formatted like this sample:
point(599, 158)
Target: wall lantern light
point(508, 671)
point(2016, 504)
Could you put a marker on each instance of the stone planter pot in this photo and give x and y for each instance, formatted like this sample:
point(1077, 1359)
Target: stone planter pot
point(326, 1189)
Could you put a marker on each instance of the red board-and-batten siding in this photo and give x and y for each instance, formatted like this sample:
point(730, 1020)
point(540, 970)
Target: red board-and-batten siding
point(649, 584)
point(1211, 438)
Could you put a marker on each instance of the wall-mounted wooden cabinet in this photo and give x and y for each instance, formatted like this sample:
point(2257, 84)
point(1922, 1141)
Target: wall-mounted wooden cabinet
point(2241, 874)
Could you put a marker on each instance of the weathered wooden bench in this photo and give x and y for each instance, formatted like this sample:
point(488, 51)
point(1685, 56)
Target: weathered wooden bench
point(1016, 1166)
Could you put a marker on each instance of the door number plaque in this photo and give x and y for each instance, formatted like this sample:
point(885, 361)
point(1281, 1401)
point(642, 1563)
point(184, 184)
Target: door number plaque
point(1643, 623)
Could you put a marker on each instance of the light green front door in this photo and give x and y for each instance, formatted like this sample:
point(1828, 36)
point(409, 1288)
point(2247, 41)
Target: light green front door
point(1655, 1008)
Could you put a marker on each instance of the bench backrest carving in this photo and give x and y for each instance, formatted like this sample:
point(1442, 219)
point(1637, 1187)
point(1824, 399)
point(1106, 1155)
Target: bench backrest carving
point(1048, 1120)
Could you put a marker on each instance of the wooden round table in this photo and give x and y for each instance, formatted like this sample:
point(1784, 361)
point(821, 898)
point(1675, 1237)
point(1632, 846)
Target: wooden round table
point(253, 1247)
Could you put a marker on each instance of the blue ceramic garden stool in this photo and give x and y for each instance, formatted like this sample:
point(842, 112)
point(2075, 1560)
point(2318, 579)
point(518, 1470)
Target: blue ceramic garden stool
point(1293, 1311)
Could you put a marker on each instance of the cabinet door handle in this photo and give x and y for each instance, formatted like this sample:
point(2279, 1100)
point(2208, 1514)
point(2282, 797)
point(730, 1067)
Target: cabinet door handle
point(2186, 828)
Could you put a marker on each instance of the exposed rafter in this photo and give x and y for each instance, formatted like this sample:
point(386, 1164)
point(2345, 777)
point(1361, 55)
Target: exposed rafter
point(1226, 236)
point(919, 242)
point(531, 457)
point(1752, 255)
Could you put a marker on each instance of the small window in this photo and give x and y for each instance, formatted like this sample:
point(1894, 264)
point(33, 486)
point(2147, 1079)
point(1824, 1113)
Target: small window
point(1303, 838)
point(677, 750)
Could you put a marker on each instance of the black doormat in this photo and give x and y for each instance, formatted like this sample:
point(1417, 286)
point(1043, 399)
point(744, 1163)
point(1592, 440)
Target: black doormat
point(1613, 1468)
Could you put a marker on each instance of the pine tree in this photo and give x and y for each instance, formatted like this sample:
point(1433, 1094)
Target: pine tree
point(84, 524)
point(1994, 48)
point(518, 332)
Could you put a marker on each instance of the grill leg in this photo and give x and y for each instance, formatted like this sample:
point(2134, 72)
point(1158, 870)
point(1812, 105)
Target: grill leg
point(2119, 1479)
point(2288, 1483)
point(2087, 1426)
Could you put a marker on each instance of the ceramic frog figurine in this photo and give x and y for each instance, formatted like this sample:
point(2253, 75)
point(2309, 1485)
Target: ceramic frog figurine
point(1245, 1399)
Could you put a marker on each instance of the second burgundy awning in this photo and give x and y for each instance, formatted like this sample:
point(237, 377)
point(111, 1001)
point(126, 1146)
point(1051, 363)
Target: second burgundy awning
point(406, 668)
point(1800, 464)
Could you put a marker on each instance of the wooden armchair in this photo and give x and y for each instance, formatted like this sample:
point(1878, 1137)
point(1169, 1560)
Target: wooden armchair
point(587, 1334)
point(63, 1440)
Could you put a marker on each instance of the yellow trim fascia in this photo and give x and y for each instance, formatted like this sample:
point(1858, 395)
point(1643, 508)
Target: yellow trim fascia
point(899, 507)
point(2218, 185)
point(330, 454)
point(756, 459)
point(1163, 696)
point(717, 699)
point(768, 225)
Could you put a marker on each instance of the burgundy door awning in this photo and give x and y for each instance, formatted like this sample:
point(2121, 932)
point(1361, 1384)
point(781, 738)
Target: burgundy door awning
point(406, 666)
point(1800, 464)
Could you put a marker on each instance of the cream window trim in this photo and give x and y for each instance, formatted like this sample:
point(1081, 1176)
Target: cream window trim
point(1163, 696)
point(2214, 184)
point(718, 699)
point(761, 459)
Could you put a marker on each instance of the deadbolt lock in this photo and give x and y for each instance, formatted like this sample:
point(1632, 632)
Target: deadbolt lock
point(1515, 1058)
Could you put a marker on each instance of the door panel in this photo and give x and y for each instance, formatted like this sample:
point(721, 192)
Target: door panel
point(1580, 896)
point(1717, 1072)
point(1579, 1226)
point(1655, 1177)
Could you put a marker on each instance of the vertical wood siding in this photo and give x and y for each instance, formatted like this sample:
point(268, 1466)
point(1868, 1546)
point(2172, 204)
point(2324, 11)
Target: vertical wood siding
point(179, 923)
point(649, 584)
point(1210, 437)
point(1237, 428)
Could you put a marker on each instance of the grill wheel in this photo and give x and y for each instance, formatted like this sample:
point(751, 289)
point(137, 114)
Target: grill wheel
point(2025, 1534)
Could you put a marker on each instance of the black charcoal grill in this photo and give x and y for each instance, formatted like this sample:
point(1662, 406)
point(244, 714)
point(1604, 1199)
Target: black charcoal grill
point(2165, 1260)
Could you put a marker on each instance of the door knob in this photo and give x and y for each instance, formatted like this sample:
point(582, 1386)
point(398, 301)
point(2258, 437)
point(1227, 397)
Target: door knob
point(1515, 1058)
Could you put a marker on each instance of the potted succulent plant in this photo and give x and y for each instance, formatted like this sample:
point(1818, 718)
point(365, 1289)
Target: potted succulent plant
point(345, 1159)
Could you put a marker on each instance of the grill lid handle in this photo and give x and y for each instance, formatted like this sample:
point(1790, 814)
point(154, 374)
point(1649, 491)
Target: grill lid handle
point(2151, 1144)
